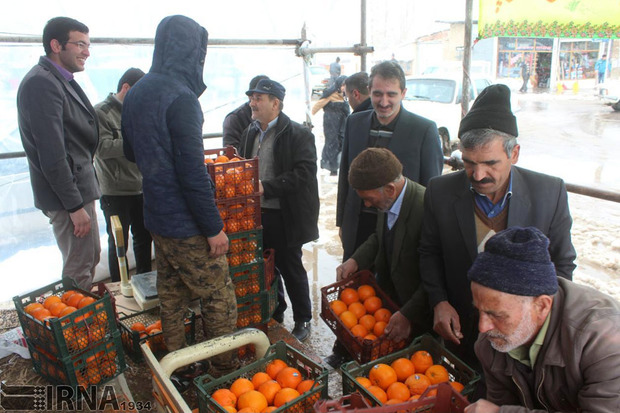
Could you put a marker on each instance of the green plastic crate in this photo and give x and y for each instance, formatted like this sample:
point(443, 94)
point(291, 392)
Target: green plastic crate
point(132, 339)
point(256, 309)
point(95, 366)
point(458, 370)
point(245, 247)
point(73, 333)
point(308, 368)
point(248, 278)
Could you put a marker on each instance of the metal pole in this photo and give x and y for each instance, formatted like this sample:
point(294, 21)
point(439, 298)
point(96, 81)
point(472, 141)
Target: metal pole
point(363, 35)
point(467, 45)
point(143, 40)
point(307, 89)
point(607, 73)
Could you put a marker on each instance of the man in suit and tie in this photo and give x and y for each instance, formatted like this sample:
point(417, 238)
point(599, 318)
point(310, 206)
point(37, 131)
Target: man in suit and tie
point(413, 139)
point(59, 131)
point(464, 209)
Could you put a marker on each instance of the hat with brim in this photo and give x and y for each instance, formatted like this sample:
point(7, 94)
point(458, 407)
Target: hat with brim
point(269, 87)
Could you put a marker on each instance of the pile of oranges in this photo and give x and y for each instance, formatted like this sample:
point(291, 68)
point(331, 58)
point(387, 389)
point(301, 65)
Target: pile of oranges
point(405, 378)
point(56, 307)
point(266, 391)
point(153, 334)
point(77, 337)
point(362, 312)
point(231, 181)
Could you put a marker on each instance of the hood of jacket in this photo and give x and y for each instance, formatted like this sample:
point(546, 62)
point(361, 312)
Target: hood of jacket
point(180, 51)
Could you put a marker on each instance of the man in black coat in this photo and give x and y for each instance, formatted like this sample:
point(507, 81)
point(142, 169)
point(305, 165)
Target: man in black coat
point(464, 209)
point(239, 119)
point(290, 195)
point(413, 139)
point(356, 90)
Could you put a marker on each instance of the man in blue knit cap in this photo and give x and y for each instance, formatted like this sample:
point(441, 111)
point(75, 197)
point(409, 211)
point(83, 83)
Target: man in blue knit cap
point(545, 343)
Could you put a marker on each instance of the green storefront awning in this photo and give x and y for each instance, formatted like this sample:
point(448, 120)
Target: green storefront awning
point(588, 19)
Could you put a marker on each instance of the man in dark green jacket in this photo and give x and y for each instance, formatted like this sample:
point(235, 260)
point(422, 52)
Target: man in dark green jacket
point(392, 251)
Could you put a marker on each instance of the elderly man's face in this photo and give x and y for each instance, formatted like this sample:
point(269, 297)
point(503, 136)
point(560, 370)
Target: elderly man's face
point(264, 108)
point(488, 168)
point(380, 198)
point(509, 321)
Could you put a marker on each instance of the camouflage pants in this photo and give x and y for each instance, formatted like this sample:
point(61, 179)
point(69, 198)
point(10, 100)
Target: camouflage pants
point(185, 268)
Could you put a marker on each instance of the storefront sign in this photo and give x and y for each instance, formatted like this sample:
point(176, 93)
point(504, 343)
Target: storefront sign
point(550, 18)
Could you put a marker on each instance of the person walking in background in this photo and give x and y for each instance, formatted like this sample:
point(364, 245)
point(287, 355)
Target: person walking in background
point(59, 132)
point(413, 139)
point(162, 130)
point(601, 66)
point(335, 112)
point(546, 344)
point(462, 210)
point(335, 70)
point(239, 119)
point(289, 195)
point(120, 180)
point(525, 74)
point(356, 90)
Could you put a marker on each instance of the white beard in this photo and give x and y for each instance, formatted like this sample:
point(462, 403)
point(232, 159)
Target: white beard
point(523, 333)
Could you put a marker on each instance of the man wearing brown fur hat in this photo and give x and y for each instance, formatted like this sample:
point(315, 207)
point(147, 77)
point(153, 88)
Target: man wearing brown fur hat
point(545, 344)
point(392, 251)
point(464, 209)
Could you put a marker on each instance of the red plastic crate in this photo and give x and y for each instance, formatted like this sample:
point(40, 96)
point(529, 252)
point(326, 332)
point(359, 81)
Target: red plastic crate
point(269, 256)
point(447, 400)
point(245, 248)
point(343, 404)
point(232, 179)
point(73, 333)
point(361, 350)
point(240, 214)
point(94, 366)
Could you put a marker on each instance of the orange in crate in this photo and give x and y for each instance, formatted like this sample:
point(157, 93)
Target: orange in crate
point(422, 360)
point(382, 375)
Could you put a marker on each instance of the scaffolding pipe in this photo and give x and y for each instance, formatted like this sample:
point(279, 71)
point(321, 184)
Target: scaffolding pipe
point(363, 35)
point(357, 49)
point(466, 58)
point(150, 40)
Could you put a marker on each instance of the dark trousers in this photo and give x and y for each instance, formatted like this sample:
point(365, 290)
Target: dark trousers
point(289, 267)
point(524, 86)
point(129, 209)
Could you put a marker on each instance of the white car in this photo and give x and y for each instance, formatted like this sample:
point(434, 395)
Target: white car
point(438, 98)
point(319, 79)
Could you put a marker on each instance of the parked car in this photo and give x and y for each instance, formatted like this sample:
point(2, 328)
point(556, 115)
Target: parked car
point(319, 79)
point(438, 98)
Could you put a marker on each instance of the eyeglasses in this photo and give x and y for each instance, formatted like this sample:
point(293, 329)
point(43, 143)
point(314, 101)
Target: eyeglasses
point(81, 45)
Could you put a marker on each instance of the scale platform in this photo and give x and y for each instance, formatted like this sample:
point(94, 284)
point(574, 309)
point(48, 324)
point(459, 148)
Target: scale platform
point(145, 289)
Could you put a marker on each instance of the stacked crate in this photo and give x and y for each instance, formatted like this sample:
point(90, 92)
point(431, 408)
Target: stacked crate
point(81, 348)
point(251, 268)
